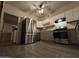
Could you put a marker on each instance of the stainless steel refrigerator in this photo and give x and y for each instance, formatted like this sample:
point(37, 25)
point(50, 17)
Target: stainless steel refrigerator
point(28, 31)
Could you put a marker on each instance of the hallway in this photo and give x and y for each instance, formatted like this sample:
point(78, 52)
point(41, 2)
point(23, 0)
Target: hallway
point(40, 49)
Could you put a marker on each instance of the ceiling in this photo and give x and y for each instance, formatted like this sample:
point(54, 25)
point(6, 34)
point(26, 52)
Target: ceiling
point(27, 6)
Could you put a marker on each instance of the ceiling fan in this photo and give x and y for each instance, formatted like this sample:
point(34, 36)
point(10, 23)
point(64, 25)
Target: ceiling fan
point(40, 7)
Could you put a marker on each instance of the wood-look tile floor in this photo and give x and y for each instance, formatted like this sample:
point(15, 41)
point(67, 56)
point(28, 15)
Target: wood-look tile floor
point(40, 50)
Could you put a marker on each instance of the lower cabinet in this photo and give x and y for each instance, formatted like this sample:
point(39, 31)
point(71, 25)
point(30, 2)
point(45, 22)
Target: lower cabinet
point(61, 36)
point(73, 36)
point(46, 35)
point(37, 37)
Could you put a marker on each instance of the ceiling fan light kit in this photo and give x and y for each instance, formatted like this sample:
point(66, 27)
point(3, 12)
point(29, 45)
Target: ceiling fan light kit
point(41, 11)
point(40, 8)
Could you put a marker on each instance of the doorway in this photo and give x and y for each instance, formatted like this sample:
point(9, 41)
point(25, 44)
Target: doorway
point(9, 30)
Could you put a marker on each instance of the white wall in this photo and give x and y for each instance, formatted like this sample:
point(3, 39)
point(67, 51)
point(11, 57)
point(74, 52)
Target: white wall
point(13, 10)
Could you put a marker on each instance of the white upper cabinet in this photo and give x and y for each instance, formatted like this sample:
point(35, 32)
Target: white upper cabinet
point(69, 15)
point(61, 15)
point(45, 21)
point(72, 14)
point(52, 20)
point(39, 24)
point(76, 13)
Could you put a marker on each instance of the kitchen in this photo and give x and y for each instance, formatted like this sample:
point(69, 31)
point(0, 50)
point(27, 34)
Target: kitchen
point(26, 27)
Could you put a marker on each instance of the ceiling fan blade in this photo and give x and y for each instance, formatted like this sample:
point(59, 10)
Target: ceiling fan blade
point(36, 7)
point(43, 4)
